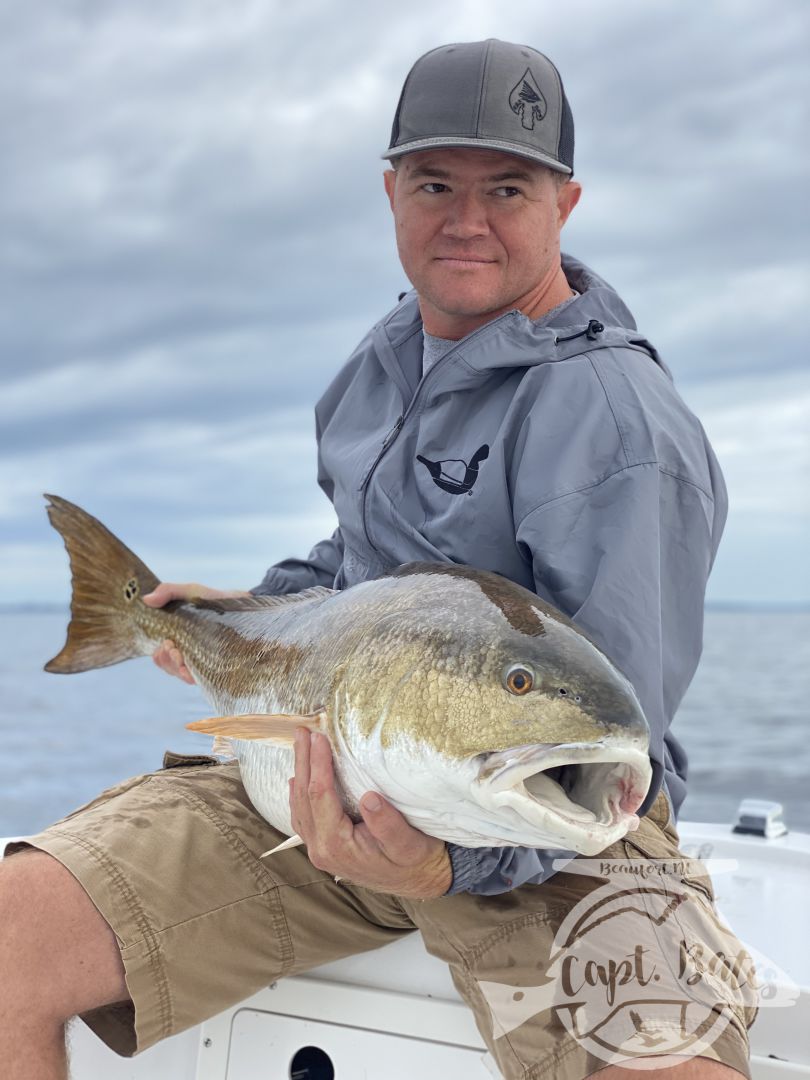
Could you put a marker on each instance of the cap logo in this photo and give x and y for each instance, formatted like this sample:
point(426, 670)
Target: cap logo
point(527, 101)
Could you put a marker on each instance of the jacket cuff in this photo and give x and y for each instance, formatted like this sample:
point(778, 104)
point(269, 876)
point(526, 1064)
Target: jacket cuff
point(273, 583)
point(469, 866)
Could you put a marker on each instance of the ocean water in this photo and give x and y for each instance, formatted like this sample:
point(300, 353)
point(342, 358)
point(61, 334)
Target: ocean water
point(745, 720)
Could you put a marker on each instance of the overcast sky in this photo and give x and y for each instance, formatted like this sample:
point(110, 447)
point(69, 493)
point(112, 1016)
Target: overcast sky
point(193, 236)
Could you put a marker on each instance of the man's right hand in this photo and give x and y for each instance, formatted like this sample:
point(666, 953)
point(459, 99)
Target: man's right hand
point(167, 656)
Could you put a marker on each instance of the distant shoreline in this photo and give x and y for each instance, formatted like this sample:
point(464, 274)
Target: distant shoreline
point(728, 607)
point(741, 607)
point(23, 608)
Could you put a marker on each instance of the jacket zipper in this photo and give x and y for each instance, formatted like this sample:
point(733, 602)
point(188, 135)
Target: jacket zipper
point(591, 332)
point(390, 438)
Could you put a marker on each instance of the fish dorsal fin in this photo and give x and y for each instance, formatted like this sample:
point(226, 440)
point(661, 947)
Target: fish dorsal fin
point(259, 603)
point(275, 727)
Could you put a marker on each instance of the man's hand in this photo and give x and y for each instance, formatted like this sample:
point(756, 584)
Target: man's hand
point(383, 852)
point(167, 656)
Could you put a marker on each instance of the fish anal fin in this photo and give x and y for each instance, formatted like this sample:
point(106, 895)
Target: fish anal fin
point(275, 727)
point(223, 749)
point(293, 841)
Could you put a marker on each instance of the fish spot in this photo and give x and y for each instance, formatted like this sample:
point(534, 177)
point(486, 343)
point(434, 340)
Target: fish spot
point(139, 822)
point(516, 604)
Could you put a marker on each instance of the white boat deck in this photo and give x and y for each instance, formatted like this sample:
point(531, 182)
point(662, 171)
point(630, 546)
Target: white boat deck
point(394, 1013)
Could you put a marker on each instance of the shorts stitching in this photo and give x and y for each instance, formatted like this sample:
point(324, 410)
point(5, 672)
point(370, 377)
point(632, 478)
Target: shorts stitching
point(633, 848)
point(214, 911)
point(420, 917)
point(531, 918)
point(724, 1054)
point(473, 990)
point(257, 871)
point(551, 1062)
point(150, 937)
point(105, 798)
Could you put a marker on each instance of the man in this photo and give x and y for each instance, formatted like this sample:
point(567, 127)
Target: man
point(506, 414)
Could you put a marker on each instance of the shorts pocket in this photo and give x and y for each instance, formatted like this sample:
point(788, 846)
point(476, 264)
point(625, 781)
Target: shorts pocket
point(650, 842)
point(710, 951)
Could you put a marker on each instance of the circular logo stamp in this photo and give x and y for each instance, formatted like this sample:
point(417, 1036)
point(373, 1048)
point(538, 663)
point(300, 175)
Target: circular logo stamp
point(640, 967)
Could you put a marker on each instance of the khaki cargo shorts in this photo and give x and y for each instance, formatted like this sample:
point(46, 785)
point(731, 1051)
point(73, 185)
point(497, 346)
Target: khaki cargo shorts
point(170, 859)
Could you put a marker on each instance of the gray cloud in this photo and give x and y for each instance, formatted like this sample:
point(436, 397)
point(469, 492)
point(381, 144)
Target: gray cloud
point(194, 233)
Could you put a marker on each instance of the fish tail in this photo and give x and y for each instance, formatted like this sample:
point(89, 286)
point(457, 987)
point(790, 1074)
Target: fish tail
point(108, 582)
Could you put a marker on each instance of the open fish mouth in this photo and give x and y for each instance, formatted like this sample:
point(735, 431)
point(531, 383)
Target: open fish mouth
point(589, 790)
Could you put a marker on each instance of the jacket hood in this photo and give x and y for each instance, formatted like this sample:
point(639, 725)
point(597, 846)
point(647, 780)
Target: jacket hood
point(597, 299)
point(597, 318)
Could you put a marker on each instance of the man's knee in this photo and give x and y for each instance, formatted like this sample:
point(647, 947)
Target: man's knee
point(56, 949)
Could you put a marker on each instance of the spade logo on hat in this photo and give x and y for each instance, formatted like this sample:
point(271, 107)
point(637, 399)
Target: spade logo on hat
point(527, 101)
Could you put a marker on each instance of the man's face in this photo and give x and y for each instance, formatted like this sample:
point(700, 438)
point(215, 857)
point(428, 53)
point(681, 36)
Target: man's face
point(478, 233)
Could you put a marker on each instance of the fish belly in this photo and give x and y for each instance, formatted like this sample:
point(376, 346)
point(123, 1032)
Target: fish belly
point(266, 770)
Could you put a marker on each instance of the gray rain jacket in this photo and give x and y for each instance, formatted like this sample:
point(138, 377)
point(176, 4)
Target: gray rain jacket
point(557, 453)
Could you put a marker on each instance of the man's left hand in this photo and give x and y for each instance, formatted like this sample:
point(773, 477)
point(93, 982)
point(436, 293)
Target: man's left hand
point(382, 852)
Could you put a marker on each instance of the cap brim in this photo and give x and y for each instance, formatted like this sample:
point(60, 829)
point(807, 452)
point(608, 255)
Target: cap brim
point(461, 142)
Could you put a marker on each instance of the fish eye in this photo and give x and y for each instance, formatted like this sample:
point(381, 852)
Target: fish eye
point(519, 680)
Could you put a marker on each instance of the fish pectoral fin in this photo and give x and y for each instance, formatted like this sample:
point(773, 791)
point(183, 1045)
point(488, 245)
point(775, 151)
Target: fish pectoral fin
point(290, 842)
point(276, 727)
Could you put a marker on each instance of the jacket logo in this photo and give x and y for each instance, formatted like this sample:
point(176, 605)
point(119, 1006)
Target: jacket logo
point(446, 480)
point(527, 101)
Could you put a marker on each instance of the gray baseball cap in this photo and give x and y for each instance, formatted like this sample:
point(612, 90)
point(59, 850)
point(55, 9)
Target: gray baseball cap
point(486, 94)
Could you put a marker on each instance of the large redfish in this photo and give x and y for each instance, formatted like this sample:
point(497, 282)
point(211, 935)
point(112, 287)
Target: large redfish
point(484, 715)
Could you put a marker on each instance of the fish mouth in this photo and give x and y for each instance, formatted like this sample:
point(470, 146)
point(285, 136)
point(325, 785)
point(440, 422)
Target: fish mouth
point(586, 794)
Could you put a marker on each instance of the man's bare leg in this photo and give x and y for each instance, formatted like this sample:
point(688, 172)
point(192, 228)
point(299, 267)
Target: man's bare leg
point(58, 957)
